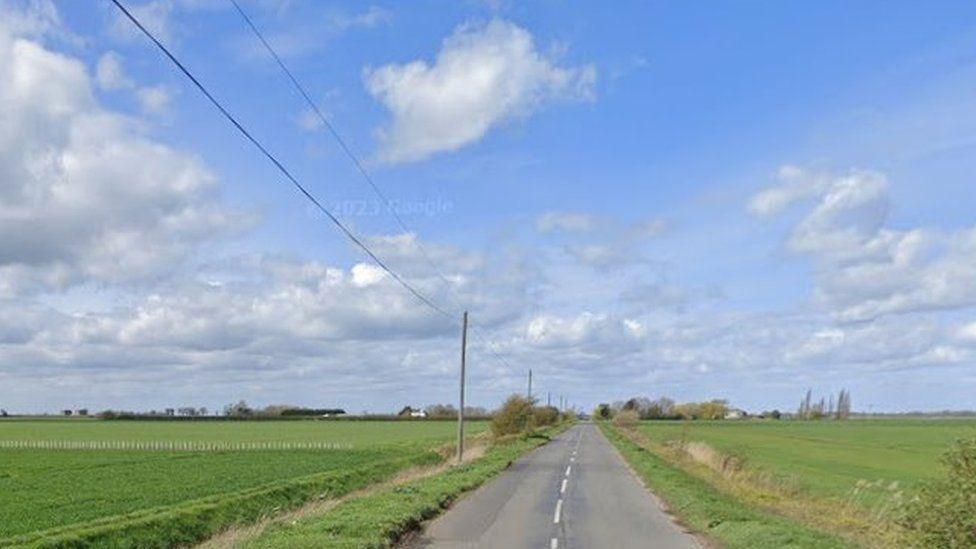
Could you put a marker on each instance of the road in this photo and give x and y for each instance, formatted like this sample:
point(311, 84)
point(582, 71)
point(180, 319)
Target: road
point(575, 492)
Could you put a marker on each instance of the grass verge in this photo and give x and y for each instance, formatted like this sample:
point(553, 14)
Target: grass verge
point(709, 511)
point(380, 519)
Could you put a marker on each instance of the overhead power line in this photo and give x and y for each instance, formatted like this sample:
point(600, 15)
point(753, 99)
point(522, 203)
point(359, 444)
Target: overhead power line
point(281, 168)
point(360, 168)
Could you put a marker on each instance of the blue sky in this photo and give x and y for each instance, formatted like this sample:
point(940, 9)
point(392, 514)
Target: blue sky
point(736, 200)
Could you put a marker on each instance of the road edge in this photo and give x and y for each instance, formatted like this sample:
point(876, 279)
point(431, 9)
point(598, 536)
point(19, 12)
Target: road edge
point(395, 516)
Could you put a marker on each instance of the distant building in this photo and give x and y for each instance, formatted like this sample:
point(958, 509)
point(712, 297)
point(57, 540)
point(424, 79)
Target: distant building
point(408, 411)
point(735, 413)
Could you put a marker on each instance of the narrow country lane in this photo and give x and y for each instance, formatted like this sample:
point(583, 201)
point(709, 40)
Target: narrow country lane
point(575, 492)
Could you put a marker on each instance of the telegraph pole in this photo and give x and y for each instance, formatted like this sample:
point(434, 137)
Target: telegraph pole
point(548, 398)
point(530, 383)
point(464, 345)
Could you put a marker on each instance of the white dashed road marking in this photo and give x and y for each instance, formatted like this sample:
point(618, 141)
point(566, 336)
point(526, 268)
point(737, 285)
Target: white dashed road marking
point(559, 510)
point(563, 489)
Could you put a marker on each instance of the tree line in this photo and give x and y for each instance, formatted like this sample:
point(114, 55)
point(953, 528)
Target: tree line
point(825, 409)
point(665, 408)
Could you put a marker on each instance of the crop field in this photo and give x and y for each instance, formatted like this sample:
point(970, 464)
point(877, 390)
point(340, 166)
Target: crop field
point(829, 458)
point(51, 492)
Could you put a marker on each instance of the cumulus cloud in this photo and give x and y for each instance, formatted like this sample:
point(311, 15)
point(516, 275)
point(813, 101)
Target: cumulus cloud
point(84, 196)
point(482, 76)
point(864, 268)
point(586, 330)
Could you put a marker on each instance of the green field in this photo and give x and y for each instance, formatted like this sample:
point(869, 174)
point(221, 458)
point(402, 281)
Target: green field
point(44, 489)
point(828, 458)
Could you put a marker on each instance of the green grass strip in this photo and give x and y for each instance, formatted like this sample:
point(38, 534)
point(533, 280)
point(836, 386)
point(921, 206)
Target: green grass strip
point(195, 521)
point(378, 520)
point(716, 514)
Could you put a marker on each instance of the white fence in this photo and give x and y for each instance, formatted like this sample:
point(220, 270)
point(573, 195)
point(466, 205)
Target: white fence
point(170, 445)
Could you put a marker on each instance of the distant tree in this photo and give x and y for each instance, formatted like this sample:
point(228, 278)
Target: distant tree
point(662, 408)
point(3, 413)
point(441, 410)
point(603, 411)
point(806, 407)
point(239, 410)
point(843, 405)
point(66, 412)
point(83, 412)
point(714, 409)
point(688, 410)
point(203, 411)
point(275, 410)
point(475, 411)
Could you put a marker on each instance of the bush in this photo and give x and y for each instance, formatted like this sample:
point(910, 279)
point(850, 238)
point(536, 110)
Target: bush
point(544, 416)
point(603, 411)
point(625, 418)
point(944, 513)
point(513, 418)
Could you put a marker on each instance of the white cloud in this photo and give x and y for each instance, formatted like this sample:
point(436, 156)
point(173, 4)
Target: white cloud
point(598, 255)
point(795, 184)
point(109, 72)
point(154, 99)
point(155, 15)
point(483, 76)
point(565, 221)
point(33, 18)
point(586, 330)
point(864, 268)
point(967, 332)
point(111, 76)
point(84, 195)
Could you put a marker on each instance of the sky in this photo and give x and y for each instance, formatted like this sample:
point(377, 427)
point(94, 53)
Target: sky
point(740, 201)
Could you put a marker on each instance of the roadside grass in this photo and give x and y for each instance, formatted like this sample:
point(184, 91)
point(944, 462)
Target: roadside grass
point(59, 498)
point(851, 478)
point(829, 458)
point(708, 510)
point(380, 519)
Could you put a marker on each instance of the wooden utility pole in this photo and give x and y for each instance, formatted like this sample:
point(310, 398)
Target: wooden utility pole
point(464, 345)
point(530, 383)
point(548, 398)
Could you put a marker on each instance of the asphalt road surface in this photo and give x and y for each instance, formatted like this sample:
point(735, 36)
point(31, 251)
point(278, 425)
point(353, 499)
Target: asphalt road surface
point(575, 492)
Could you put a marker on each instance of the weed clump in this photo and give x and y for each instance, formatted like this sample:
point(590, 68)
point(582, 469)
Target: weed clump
point(943, 514)
point(625, 418)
